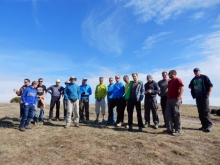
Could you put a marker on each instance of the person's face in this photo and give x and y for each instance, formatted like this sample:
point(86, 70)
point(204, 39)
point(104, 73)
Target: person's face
point(101, 80)
point(72, 80)
point(135, 77)
point(149, 80)
point(57, 83)
point(164, 75)
point(84, 82)
point(26, 83)
point(171, 75)
point(126, 80)
point(111, 81)
point(40, 82)
point(197, 73)
point(117, 79)
point(35, 85)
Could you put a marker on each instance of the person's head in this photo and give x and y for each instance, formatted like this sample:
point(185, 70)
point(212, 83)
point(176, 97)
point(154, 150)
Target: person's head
point(126, 79)
point(84, 81)
point(135, 77)
point(101, 79)
point(67, 82)
point(149, 78)
point(197, 72)
point(57, 82)
point(26, 82)
point(117, 78)
point(40, 81)
point(164, 75)
point(72, 79)
point(34, 84)
point(172, 74)
point(110, 80)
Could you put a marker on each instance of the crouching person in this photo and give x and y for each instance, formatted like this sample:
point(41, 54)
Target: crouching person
point(29, 98)
point(72, 94)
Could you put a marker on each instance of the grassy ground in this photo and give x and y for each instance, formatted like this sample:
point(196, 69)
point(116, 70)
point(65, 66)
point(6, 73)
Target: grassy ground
point(97, 144)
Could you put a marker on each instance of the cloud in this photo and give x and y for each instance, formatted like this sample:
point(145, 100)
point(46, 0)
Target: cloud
point(103, 33)
point(217, 22)
point(197, 15)
point(162, 10)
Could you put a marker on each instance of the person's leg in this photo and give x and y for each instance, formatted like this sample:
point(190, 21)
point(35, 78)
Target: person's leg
point(76, 112)
point(25, 115)
point(52, 104)
point(110, 110)
point(163, 101)
point(21, 109)
point(139, 116)
point(86, 104)
point(97, 109)
point(102, 102)
point(58, 108)
point(30, 115)
point(123, 106)
point(154, 111)
point(169, 116)
point(41, 116)
point(130, 107)
point(147, 106)
point(64, 109)
point(69, 112)
point(81, 109)
point(35, 118)
point(206, 113)
point(199, 103)
point(176, 104)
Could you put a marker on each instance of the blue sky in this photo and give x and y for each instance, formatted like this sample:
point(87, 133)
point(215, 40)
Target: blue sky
point(92, 38)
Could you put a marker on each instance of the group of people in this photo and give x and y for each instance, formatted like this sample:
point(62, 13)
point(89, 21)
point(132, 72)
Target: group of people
point(120, 96)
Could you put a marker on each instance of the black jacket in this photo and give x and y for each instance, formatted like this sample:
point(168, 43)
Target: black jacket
point(206, 84)
point(152, 86)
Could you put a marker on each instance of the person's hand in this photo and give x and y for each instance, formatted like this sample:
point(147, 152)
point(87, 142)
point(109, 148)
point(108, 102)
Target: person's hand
point(33, 104)
point(138, 100)
point(26, 103)
point(178, 98)
point(208, 94)
point(15, 90)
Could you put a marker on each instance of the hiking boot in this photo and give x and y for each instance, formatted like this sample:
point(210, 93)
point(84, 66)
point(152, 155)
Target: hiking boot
point(201, 129)
point(103, 121)
point(96, 121)
point(146, 125)
point(22, 129)
point(207, 130)
point(57, 119)
point(86, 121)
point(50, 120)
point(76, 124)
point(177, 133)
point(130, 128)
point(156, 126)
point(140, 129)
point(28, 127)
point(118, 124)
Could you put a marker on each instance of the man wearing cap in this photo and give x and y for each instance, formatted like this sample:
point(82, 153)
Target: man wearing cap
point(163, 93)
point(72, 94)
point(201, 88)
point(134, 96)
point(41, 93)
point(56, 92)
point(85, 91)
point(19, 93)
point(29, 97)
point(174, 101)
point(150, 102)
point(100, 94)
point(65, 103)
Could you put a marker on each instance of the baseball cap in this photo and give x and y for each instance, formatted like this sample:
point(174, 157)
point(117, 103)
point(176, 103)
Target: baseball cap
point(149, 77)
point(72, 77)
point(67, 82)
point(196, 69)
point(84, 78)
point(57, 80)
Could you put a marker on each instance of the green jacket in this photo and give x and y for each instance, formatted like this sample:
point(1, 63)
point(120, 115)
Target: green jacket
point(139, 91)
point(101, 91)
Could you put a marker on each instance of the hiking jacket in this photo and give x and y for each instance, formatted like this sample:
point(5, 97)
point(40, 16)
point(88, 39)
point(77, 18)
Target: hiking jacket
point(100, 91)
point(29, 95)
point(72, 91)
point(87, 89)
point(139, 91)
point(153, 86)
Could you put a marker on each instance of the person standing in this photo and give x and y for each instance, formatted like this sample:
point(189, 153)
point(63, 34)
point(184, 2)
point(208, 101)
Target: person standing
point(201, 88)
point(65, 104)
point(111, 118)
point(127, 82)
point(85, 91)
point(117, 101)
point(56, 92)
point(72, 95)
point(134, 96)
point(163, 93)
point(100, 94)
point(29, 98)
point(150, 102)
point(41, 93)
point(19, 93)
point(174, 101)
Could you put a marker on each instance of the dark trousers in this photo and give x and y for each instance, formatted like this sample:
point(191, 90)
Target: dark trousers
point(21, 109)
point(84, 106)
point(204, 112)
point(130, 107)
point(163, 102)
point(151, 104)
point(55, 100)
point(65, 107)
point(28, 113)
point(118, 103)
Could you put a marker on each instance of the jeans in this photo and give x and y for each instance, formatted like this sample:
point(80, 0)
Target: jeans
point(41, 116)
point(21, 109)
point(27, 115)
point(55, 100)
point(151, 104)
point(111, 118)
point(84, 106)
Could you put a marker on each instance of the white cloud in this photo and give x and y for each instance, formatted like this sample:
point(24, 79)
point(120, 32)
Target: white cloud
point(103, 34)
point(162, 10)
point(197, 15)
point(217, 22)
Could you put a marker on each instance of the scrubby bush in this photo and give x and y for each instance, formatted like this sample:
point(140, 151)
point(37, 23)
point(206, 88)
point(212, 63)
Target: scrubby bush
point(15, 100)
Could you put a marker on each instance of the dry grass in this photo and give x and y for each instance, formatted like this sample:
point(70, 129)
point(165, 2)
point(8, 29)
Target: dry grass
point(98, 144)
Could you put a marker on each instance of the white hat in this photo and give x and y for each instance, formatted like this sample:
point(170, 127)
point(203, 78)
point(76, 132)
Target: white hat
point(84, 78)
point(72, 77)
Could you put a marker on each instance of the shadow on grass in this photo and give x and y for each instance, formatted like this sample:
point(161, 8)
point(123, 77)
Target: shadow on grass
point(194, 129)
point(8, 122)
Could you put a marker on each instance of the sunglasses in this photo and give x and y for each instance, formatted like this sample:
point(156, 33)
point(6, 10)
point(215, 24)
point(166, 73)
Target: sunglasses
point(40, 81)
point(117, 78)
point(26, 82)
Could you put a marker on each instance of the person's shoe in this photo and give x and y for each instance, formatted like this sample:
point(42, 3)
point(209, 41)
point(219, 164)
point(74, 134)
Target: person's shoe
point(86, 121)
point(81, 121)
point(28, 127)
point(41, 122)
point(208, 130)
point(146, 125)
point(96, 121)
point(127, 126)
point(22, 129)
point(57, 119)
point(177, 133)
point(50, 120)
point(201, 129)
point(156, 126)
point(109, 122)
point(130, 128)
point(118, 124)
point(167, 132)
point(103, 121)
point(66, 126)
point(76, 124)
point(140, 129)
point(35, 122)
point(164, 126)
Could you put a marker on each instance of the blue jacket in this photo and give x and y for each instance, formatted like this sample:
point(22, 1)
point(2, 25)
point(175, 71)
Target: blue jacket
point(55, 90)
point(29, 95)
point(110, 91)
point(118, 90)
point(72, 91)
point(87, 90)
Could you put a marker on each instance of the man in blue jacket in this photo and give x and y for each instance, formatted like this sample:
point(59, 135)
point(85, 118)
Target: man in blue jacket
point(29, 98)
point(85, 92)
point(201, 88)
point(72, 94)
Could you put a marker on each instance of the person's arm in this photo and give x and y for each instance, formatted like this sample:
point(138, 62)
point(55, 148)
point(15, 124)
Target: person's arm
point(210, 85)
point(23, 96)
point(89, 91)
point(156, 89)
point(96, 92)
point(105, 92)
point(61, 93)
point(65, 93)
point(18, 92)
point(191, 84)
point(209, 92)
point(49, 90)
point(45, 92)
point(79, 93)
point(180, 93)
